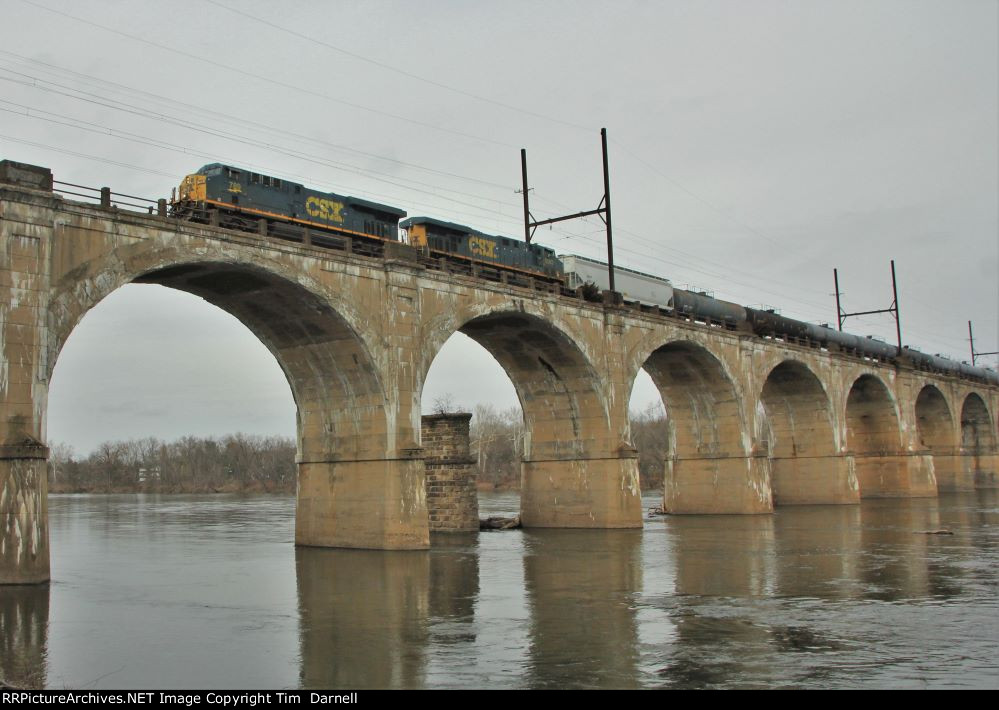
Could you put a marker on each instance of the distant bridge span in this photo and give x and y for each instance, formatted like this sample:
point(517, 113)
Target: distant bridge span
point(753, 422)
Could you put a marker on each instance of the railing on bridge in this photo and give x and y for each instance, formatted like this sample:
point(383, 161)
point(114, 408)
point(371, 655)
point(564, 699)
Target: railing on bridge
point(106, 198)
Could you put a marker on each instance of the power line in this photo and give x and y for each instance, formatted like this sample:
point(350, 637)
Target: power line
point(127, 135)
point(262, 127)
point(86, 156)
point(735, 221)
point(275, 82)
point(693, 194)
point(397, 70)
point(123, 135)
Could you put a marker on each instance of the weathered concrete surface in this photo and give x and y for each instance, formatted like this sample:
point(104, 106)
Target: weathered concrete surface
point(894, 476)
point(581, 493)
point(978, 441)
point(719, 484)
point(380, 505)
point(819, 480)
point(979, 471)
point(24, 547)
point(951, 476)
point(753, 422)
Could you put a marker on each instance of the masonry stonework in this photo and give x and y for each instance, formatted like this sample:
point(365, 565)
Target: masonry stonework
point(452, 498)
point(753, 422)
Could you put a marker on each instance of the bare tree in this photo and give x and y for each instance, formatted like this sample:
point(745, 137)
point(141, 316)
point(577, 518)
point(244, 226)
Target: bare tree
point(234, 463)
point(650, 435)
point(60, 458)
point(496, 439)
point(445, 404)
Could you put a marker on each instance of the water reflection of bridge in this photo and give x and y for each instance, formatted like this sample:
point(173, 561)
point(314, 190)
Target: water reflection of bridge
point(689, 602)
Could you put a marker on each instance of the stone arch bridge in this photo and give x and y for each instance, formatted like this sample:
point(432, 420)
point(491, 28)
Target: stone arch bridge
point(753, 422)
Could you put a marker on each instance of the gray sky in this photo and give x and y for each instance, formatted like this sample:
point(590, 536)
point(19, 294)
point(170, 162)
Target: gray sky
point(754, 146)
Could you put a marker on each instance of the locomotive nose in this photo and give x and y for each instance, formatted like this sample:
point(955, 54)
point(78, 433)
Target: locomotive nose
point(192, 188)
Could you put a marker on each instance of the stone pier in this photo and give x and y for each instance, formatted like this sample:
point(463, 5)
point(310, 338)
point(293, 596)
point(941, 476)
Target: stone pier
point(452, 499)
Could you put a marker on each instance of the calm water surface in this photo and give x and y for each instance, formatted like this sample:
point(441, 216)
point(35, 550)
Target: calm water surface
point(209, 591)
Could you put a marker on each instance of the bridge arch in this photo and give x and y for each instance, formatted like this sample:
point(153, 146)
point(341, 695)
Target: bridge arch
point(874, 439)
point(800, 439)
point(347, 441)
point(710, 468)
point(978, 442)
point(559, 388)
point(307, 330)
point(572, 472)
point(937, 434)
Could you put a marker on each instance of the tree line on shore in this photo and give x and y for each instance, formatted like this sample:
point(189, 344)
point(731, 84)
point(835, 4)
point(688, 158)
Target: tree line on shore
point(245, 463)
point(234, 463)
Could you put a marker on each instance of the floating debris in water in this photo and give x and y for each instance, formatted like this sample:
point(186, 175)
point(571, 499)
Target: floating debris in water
point(499, 523)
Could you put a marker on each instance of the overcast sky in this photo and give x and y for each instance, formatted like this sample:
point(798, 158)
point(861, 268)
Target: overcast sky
point(754, 146)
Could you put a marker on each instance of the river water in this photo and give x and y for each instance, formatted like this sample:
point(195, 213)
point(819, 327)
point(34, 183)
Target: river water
point(209, 591)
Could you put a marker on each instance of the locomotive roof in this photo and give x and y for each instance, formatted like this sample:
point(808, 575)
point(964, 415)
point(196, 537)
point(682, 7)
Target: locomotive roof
point(355, 201)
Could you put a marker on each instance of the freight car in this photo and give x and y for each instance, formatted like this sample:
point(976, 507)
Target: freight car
point(633, 285)
point(764, 323)
point(456, 240)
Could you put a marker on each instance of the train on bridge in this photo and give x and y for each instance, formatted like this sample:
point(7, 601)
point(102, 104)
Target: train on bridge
point(236, 198)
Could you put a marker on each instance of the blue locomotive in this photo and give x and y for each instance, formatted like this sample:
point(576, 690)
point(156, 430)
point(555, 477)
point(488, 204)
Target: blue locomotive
point(240, 198)
point(456, 240)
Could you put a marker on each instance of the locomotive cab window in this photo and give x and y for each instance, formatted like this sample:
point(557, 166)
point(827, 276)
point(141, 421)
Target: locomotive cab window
point(267, 181)
point(254, 178)
point(234, 174)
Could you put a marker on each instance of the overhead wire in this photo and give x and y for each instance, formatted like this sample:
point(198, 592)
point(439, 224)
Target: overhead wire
point(187, 151)
point(239, 120)
point(189, 125)
point(397, 70)
point(268, 80)
point(85, 156)
point(693, 194)
point(396, 182)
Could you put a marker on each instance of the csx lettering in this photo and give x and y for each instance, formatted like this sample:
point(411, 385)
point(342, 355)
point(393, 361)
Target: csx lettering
point(235, 187)
point(324, 209)
point(482, 247)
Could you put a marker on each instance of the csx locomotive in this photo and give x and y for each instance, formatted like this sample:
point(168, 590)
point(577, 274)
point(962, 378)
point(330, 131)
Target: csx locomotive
point(242, 199)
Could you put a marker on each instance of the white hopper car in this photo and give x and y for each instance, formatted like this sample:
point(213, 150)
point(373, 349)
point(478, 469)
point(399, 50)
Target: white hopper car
point(633, 285)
